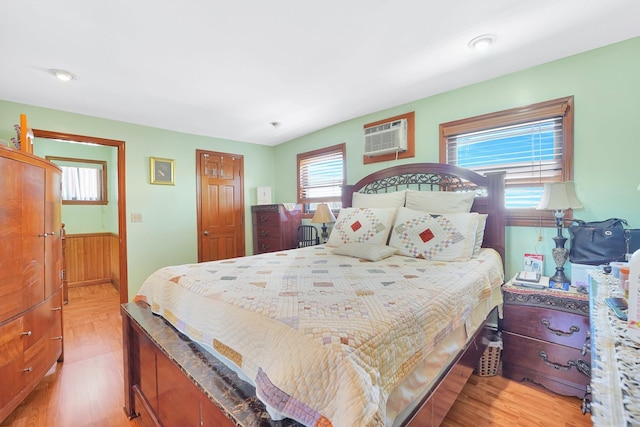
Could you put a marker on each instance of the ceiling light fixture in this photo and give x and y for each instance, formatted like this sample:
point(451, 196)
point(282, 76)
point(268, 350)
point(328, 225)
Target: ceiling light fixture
point(62, 75)
point(275, 124)
point(482, 42)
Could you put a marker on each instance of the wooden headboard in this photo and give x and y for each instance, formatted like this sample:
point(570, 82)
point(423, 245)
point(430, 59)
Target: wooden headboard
point(442, 177)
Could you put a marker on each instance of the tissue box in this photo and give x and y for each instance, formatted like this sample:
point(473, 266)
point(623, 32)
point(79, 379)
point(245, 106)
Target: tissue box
point(579, 277)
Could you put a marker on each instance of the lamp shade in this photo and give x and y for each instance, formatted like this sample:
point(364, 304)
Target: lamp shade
point(559, 196)
point(323, 214)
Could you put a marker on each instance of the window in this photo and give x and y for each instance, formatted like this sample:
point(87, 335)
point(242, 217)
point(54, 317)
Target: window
point(321, 175)
point(83, 181)
point(533, 144)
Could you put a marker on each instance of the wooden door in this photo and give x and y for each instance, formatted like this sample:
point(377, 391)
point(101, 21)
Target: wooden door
point(220, 205)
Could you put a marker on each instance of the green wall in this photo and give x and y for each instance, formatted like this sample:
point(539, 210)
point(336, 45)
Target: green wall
point(167, 235)
point(86, 218)
point(607, 109)
point(606, 88)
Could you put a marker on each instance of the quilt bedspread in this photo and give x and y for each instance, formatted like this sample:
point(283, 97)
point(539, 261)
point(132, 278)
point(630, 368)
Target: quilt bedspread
point(324, 338)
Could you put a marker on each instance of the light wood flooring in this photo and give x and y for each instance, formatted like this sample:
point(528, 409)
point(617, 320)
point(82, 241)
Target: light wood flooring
point(87, 388)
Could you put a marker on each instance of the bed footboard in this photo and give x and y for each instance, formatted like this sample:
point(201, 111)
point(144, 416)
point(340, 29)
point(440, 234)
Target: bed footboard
point(169, 380)
point(445, 392)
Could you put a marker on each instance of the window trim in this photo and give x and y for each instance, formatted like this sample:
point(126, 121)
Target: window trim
point(342, 148)
point(561, 107)
point(105, 195)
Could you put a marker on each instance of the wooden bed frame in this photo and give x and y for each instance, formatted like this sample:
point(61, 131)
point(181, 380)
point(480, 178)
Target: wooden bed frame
point(171, 381)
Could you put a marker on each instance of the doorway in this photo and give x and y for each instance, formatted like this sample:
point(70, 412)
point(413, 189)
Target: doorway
point(122, 223)
point(220, 205)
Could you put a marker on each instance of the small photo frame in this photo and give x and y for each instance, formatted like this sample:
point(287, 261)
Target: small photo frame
point(161, 171)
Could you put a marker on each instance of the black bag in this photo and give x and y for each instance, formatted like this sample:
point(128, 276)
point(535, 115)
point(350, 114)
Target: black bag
point(598, 242)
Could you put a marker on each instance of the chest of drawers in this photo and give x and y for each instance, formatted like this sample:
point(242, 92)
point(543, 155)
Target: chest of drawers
point(274, 227)
point(546, 338)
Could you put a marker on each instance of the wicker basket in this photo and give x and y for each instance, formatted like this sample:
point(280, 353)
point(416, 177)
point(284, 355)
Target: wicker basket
point(490, 360)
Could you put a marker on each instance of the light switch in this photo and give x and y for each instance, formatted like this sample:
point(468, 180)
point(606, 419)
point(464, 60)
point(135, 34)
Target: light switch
point(136, 217)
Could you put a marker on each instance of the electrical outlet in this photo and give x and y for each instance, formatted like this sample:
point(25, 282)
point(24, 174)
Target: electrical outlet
point(136, 217)
point(539, 237)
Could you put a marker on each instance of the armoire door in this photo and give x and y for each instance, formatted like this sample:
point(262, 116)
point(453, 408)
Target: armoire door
point(220, 205)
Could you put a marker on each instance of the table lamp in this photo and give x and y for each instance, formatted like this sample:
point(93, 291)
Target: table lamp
point(323, 215)
point(559, 196)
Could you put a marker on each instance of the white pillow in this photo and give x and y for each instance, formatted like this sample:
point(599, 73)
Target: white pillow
point(380, 200)
point(362, 225)
point(438, 237)
point(440, 201)
point(366, 251)
point(482, 222)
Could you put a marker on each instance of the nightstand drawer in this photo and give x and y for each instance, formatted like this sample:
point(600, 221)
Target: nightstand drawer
point(266, 218)
point(555, 326)
point(266, 231)
point(268, 244)
point(558, 362)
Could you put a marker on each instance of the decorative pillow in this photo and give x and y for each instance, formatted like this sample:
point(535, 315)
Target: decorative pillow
point(440, 201)
point(362, 225)
point(438, 237)
point(482, 222)
point(381, 200)
point(368, 251)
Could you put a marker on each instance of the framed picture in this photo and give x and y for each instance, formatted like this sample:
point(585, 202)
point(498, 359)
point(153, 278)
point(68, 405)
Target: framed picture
point(161, 171)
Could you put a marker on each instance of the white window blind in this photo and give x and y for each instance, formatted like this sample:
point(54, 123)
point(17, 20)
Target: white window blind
point(81, 183)
point(321, 175)
point(530, 153)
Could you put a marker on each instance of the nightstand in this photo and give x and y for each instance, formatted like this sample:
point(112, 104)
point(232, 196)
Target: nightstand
point(546, 338)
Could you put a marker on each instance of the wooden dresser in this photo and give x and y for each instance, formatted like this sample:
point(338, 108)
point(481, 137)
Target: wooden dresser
point(546, 338)
point(31, 338)
point(275, 227)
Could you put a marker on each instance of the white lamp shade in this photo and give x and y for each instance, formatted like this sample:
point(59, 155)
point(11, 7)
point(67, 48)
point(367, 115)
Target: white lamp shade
point(323, 214)
point(559, 196)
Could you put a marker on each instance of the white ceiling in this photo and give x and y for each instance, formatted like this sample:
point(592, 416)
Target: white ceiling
point(229, 69)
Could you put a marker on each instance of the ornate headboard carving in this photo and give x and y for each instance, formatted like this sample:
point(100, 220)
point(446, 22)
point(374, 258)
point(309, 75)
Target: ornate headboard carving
point(442, 177)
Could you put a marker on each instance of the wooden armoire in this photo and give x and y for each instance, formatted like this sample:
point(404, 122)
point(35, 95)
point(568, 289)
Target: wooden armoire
point(31, 338)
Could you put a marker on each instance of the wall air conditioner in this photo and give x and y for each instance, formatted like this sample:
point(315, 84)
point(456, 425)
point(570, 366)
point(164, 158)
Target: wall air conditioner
point(390, 137)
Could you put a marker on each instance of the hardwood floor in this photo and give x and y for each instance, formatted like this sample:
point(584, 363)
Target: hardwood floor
point(87, 389)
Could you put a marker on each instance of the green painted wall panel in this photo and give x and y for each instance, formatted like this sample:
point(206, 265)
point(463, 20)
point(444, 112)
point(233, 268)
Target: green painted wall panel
point(607, 106)
point(606, 88)
point(167, 235)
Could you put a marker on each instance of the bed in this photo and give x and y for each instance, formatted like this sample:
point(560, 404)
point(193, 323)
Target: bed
point(381, 326)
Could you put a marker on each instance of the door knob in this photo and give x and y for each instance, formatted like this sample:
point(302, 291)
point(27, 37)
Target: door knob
point(206, 233)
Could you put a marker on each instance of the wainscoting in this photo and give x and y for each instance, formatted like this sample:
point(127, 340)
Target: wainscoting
point(92, 259)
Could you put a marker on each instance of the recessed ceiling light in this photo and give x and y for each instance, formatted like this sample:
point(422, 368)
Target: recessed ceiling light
point(62, 75)
point(482, 42)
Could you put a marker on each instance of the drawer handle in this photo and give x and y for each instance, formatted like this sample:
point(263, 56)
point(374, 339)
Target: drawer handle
point(264, 218)
point(264, 233)
point(28, 333)
point(264, 247)
point(29, 369)
point(557, 366)
point(57, 338)
point(584, 368)
point(56, 309)
point(558, 332)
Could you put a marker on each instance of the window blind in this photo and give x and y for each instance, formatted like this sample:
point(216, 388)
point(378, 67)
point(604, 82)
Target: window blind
point(321, 176)
point(530, 154)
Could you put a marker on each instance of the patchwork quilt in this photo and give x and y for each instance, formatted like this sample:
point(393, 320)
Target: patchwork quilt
point(324, 338)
